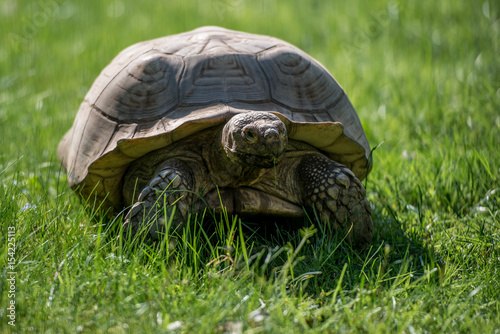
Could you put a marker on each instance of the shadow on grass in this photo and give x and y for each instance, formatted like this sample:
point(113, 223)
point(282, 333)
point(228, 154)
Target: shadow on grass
point(326, 258)
point(305, 258)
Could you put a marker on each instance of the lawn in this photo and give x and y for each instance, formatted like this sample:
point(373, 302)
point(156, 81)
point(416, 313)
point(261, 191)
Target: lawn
point(424, 77)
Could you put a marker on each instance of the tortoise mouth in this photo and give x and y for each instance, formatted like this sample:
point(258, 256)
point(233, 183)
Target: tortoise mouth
point(255, 160)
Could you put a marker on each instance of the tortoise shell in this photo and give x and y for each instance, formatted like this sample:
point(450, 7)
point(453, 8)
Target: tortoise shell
point(157, 92)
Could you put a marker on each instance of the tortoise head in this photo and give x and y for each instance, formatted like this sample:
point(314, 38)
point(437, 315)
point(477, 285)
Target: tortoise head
point(255, 139)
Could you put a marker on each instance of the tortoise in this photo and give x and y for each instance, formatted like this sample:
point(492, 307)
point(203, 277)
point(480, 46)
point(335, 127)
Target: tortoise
point(222, 119)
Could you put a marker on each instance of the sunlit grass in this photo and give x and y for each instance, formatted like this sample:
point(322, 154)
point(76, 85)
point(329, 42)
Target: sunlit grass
point(425, 79)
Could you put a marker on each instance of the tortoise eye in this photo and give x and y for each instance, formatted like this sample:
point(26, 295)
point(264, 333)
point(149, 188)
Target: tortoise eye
point(250, 135)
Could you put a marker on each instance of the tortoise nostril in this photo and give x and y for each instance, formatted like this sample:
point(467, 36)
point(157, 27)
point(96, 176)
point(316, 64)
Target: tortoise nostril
point(272, 135)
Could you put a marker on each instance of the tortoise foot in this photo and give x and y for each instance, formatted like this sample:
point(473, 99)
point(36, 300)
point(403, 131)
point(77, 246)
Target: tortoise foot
point(338, 198)
point(167, 190)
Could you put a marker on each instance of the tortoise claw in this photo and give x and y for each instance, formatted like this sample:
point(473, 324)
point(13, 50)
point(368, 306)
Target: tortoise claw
point(156, 203)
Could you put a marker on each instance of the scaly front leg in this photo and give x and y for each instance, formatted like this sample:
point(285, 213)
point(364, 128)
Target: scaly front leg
point(173, 184)
point(331, 190)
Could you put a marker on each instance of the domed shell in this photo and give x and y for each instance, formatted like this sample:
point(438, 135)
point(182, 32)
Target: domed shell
point(160, 91)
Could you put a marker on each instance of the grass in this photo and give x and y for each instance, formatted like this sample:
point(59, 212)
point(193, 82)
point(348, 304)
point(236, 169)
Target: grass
point(425, 79)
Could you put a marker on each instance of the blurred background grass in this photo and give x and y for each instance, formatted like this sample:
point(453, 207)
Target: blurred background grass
point(424, 77)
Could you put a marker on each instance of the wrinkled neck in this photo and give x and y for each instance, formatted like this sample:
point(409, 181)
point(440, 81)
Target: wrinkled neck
point(225, 171)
